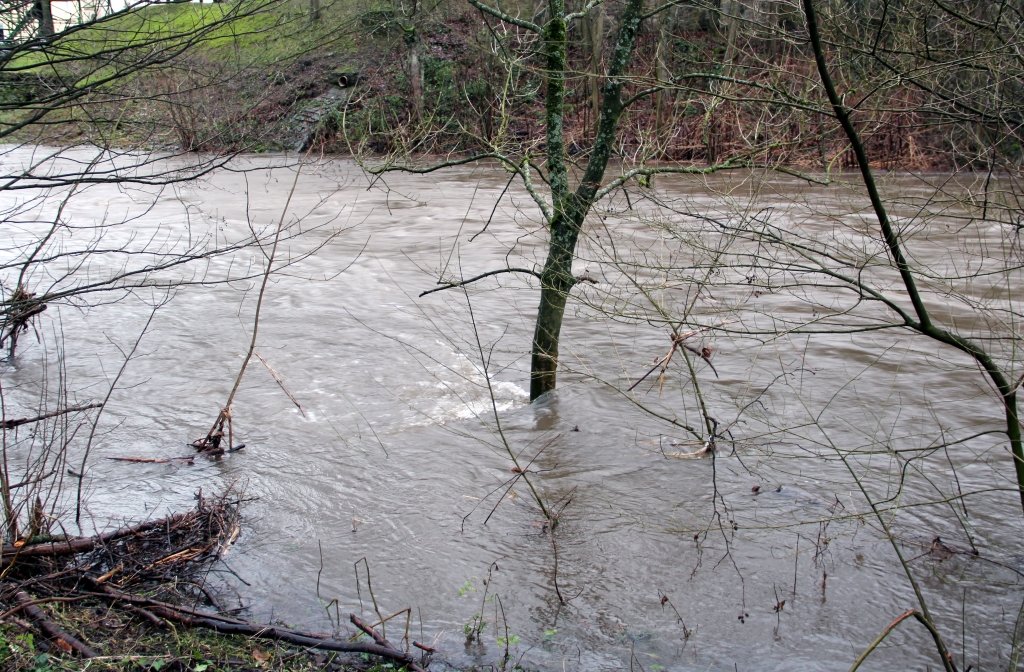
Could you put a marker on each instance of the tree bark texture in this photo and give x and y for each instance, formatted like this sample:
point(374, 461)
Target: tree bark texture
point(569, 209)
point(44, 14)
point(415, 65)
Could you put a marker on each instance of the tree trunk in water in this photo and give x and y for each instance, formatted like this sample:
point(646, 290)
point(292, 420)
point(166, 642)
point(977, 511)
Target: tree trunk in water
point(569, 209)
point(556, 282)
point(544, 360)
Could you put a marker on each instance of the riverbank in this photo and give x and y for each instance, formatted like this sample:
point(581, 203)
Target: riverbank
point(132, 645)
point(138, 598)
point(352, 79)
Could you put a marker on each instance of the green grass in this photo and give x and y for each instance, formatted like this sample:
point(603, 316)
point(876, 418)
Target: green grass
point(226, 75)
point(131, 646)
point(252, 32)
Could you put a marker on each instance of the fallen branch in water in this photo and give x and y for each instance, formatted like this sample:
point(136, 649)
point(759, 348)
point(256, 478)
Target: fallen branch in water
point(11, 424)
point(280, 383)
point(189, 459)
point(377, 637)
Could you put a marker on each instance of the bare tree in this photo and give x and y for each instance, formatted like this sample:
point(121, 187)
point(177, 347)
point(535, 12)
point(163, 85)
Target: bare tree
point(952, 86)
point(567, 196)
point(915, 261)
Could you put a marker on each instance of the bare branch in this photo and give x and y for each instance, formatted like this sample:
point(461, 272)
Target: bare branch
point(507, 18)
point(647, 171)
point(463, 283)
point(11, 424)
point(591, 4)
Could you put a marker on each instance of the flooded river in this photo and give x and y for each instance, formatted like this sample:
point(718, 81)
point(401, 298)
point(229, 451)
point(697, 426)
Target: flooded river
point(388, 484)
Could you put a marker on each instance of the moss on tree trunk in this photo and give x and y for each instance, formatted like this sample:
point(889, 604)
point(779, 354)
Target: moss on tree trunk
point(570, 208)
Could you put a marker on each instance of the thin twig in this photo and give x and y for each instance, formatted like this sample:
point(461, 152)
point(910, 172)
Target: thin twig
point(463, 283)
point(225, 413)
point(96, 421)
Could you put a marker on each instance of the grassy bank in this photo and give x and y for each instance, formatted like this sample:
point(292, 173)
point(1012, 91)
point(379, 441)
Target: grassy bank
point(211, 77)
point(132, 645)
point(260, 32)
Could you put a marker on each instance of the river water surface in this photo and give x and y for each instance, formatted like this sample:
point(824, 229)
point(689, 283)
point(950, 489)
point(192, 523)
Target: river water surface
point(390, 488)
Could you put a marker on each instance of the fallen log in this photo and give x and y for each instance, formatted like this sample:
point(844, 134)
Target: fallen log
point(293, 637)
point(232, 626)
point(84, 544)
point(188, 459)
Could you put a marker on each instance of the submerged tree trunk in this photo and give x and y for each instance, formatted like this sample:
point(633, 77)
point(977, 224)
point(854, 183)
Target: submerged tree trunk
point(556, 282)
point(556, 279)
point(569, 209)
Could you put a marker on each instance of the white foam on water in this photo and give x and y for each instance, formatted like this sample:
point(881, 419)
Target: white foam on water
point(453, 387)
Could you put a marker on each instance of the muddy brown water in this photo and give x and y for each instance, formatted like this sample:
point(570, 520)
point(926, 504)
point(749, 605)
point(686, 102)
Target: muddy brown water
point(395, 462)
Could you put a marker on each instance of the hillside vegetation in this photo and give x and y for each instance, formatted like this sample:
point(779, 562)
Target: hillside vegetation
point(405, 78)
point(194, 76)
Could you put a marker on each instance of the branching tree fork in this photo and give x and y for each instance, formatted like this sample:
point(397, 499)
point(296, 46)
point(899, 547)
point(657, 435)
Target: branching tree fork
point(565, 207)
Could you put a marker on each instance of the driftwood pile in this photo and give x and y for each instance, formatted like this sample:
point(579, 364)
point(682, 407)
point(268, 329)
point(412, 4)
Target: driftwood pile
point(150, 571)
